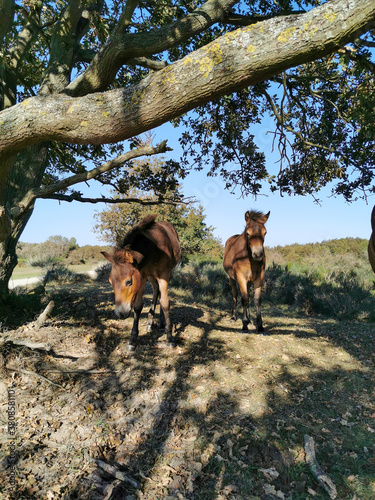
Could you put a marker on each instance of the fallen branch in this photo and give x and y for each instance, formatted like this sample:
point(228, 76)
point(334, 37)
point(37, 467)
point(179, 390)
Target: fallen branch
point(26, 343)
point(34, 325)
point(84, 372)
point(42, 317)
point(34, 374)
point(113, 471)
point(316, 470)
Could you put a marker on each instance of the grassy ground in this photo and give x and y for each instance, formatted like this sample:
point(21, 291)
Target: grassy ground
point(221, 416)
point(21, 272)
point(26, 272)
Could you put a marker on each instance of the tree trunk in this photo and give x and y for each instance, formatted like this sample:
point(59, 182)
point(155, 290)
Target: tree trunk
point(26, 174)
point(8, 256)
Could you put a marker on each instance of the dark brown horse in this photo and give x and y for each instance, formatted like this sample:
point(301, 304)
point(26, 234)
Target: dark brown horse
point(371, 243)
point(244, 262)
point(149, 251)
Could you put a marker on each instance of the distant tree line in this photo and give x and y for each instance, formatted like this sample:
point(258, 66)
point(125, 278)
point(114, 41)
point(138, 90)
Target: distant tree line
point(57, 249)
point(357, 247)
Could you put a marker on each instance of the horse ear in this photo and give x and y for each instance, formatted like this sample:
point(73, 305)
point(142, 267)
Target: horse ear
point(108, 256)
point(247, 216)
point(264, 218)
point(128, 257)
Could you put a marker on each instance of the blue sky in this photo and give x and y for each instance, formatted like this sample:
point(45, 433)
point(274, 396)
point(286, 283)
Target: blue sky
point(292, 220)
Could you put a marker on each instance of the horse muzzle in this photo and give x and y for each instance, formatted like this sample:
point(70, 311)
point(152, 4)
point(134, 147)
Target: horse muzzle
point(257, 254)
point(123, 311)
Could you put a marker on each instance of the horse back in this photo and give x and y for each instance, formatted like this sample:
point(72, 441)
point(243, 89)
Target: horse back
point(157, 249)
point(165, 237)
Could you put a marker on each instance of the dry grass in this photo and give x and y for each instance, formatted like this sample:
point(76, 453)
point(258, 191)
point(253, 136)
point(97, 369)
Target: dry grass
point(211, 419)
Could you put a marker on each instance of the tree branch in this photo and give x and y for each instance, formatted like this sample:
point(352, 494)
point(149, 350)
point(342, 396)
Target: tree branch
point(7, 8)
point(240, 20)
point(16, 55)
point(47, 191)
point(62, 46)
point(77, 197)
point(148, 63)
point(281, 126)
point(123, 46)
point(233, 61)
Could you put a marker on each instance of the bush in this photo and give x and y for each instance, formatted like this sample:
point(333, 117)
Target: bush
point(203, 281)
point(40, 261)
point(336, 293)
point(342, 297)
point(61, 273)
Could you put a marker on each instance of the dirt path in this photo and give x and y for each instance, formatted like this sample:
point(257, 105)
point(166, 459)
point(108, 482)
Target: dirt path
point(221, 416)
point(23, 282)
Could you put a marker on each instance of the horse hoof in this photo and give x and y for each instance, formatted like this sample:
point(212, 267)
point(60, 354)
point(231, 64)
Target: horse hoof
point(131, 347)
point(171, 342)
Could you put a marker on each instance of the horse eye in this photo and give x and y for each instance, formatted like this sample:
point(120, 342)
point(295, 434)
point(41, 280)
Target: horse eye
point(129, 282)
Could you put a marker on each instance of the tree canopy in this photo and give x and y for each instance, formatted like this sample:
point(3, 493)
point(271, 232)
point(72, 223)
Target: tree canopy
point(78, 77)
point(189, 219)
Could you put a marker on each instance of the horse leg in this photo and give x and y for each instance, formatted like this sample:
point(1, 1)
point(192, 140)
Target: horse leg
point(258, 302)
point(245, 302)
point(161, 325)
point(151, 313)
point(138, 306)
point(164, 307)
point(233, 285)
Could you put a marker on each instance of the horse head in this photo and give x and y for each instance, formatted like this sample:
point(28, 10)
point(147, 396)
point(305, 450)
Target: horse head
point(125, 279)
point(255, 233)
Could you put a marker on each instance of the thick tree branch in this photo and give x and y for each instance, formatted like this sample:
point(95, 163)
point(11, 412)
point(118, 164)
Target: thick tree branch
point(123, 46)
point(47, 191)
point(62, 48)
point(235, 60)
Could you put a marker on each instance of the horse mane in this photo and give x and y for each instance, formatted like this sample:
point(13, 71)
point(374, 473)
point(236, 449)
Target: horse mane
point(144, 224)
point(256, 216)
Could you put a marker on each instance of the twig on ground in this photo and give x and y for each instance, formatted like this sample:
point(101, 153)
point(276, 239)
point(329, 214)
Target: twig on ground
point(322, 478)
point(28, 372)
point(113, 471)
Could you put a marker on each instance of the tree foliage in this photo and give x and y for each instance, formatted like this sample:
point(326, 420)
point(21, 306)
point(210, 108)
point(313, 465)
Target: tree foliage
point(194, 234)
point(80, 76)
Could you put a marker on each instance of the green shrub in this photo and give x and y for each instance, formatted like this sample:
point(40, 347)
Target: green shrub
point(343, 296)
point(203, 281)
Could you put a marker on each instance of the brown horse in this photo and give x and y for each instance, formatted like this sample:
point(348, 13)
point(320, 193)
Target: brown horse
point(244, 262)
point(371, 243)
point(149, 251)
